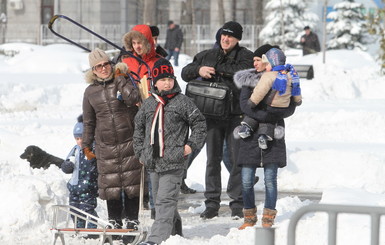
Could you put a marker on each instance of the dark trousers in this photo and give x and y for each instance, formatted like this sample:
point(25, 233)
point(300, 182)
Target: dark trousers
point(87, 204)
point(123, 208)
point(217, 132)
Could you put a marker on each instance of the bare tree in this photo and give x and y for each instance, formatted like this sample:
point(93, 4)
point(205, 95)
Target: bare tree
point(258, 12)
point(149, 12)
point(221, 12)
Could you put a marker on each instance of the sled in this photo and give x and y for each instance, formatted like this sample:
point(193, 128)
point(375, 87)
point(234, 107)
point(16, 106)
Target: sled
point(103, 230)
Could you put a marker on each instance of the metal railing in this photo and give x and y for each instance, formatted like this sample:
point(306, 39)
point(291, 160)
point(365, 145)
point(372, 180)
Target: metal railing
point(195, 39)
point(333, 211)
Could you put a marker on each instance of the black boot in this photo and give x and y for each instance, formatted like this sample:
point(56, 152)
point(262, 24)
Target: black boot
point(184, 189)
point(209, 213)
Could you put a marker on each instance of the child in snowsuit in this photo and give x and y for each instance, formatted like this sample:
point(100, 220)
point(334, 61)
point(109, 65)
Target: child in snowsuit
point(162, 143)
point(83, 185)
point(277, 86)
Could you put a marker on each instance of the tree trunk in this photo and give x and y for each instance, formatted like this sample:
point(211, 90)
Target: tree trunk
point(149, 12)
point(221, 12)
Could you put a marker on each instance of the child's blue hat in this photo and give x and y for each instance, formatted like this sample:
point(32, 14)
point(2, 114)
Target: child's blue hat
point(78, 128)
point(275, 57)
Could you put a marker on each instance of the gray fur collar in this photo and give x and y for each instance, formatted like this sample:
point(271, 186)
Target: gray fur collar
point(248, 77)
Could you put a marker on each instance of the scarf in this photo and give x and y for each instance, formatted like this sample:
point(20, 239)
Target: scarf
point(281, 80)
point(157, 126)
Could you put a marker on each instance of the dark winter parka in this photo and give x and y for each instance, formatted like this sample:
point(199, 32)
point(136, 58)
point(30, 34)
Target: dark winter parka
point(311, 44)
point(180, 115)
point(109, 120)
point(174, 38)
point(83, 184)
point(225, 66)
point(249, 152)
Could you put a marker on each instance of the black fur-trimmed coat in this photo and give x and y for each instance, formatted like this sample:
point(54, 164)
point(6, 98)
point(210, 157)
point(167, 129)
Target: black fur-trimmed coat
point(249, 152)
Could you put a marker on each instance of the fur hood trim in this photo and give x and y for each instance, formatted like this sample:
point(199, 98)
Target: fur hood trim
point(91, 78)
point(248, 77)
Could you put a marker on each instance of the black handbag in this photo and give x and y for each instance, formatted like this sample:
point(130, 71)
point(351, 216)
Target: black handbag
point(213, 99)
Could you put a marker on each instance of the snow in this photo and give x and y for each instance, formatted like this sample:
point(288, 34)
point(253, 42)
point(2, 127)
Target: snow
point(334, 141)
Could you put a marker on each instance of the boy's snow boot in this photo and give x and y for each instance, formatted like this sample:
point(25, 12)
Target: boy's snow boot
point(250, 218)
point(268, 217)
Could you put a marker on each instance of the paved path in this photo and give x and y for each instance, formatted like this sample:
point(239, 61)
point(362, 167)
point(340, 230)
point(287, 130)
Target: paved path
point(196, 199)
point(191, 205)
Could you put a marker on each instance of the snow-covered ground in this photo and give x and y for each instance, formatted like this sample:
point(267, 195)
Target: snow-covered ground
point(335, 144)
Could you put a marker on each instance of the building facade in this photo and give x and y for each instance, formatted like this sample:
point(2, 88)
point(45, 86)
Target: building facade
point(27, 20)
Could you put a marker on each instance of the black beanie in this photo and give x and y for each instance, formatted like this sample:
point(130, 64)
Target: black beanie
point(263, 50)
point(162, 68)
point(154, 31)
point(233, 29)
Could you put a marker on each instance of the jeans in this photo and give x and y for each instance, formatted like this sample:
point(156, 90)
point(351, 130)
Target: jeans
point(271, 192)
point(172, 52)
point(226, 157)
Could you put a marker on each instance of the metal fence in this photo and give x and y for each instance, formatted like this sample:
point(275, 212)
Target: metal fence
point(333, 211)
point(195, 39)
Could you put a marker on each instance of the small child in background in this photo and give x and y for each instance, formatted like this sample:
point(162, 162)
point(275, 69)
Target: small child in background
point(83, 185)
point(277, 87)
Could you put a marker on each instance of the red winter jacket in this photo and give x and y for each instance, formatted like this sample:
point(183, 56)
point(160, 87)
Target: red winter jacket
point(143, 34)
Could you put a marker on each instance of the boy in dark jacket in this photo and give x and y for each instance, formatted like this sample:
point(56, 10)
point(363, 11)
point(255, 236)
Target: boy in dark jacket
point(162, 143)
point(83, 186)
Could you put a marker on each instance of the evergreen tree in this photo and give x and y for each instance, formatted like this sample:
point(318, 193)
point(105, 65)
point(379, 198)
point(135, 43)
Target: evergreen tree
point(377, 28)
point(294, 16)
point(348, 26)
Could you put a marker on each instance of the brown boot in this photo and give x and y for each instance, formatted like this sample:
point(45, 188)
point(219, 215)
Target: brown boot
point(250, 218)
point(268, 217)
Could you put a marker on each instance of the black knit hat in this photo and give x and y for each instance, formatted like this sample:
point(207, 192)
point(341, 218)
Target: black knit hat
point(154, 31)
point(233, 29)
point(263, 50)
point(162, 68)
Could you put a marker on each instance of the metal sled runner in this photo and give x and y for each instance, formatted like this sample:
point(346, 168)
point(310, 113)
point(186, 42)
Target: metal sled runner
point(62, 219)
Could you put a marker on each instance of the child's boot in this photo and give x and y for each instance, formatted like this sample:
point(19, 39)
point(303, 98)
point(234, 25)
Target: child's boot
point(250, 218)
point(268, 217)
point(262, 142)
point(245, 130)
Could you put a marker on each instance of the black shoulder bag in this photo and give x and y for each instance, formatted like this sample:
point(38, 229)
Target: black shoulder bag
point(213, 99)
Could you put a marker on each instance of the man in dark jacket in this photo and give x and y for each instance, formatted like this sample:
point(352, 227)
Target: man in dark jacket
point(222, 63)
point(309, 42)
point(174, 39)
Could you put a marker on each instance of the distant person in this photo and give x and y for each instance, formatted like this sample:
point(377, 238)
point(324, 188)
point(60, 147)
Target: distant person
point(309, 42)
point(174, 39)
point(83, 185)
point(155, 34)
point(162, 142)
point(109, 107)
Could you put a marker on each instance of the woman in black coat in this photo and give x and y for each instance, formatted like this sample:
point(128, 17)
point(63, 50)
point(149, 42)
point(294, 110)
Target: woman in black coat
point(250, 156)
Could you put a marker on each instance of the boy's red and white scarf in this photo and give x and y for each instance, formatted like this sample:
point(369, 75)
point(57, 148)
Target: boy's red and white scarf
point(158, 122)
